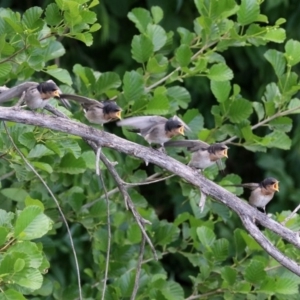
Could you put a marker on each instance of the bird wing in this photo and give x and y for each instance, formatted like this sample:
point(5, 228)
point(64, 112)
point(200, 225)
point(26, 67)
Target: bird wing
point(142, 123)
point(16, 92)
point(191, 145)
point(83, 100)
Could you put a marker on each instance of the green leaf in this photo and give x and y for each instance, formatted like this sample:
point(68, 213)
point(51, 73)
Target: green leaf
point(107, 81)
point(292, 50)
point(133, 85)
point(19, 265)
point(172, 291)
point(3, 235)
point(229, 274)
point(284, 124)
point(255, 272)
point(259, 109)
point(194, 120)
point(5, 69)
point(157, 14)
point(220, 249)
point(60, 74)
point(276, 35)
point(85, 37)
point(183, 55)
point(248, 12)
point(71, 165)
point(277, 60)
point(39, 151)
point(158, 105)
point(54, 49)
point(11, 294)
point(240, 110)
point(186, 37)
point(279, 139)
point(179, 96)
point(141, 18)
point(157, 64)
point(16, 194)
point(286, 285)
point(165, 233)
point(31, 223)
point(31, 16)
point(157, 35)
point(220, 72)
point(220, 89)
point(206, 236)
point(141, 48)
point(42, 166)
point(53, 16)
point(27, 139)
point(295, 105)
point(29, 278)
point(134, 234)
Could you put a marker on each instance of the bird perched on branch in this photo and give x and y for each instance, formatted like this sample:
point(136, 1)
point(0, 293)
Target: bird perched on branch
point(155, 129)
point(262, 193)
point(95, 111)
point(203, 154)
point(35, 95)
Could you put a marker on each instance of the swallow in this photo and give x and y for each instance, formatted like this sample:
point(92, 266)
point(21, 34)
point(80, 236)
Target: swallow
point(203, 154)
point(155, 129)
point(261, 193)
point(97, 112)
point(36, 95)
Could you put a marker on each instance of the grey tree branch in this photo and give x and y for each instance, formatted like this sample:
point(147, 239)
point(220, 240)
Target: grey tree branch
point(112, 141)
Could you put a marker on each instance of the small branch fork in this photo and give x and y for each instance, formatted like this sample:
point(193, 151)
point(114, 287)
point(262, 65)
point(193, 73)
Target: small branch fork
point(104, 139)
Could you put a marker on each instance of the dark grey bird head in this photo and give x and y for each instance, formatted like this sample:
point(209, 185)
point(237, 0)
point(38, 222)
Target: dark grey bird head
point(48, 89)
point(174, 126)
point(218, 149)
point(111, 109)
point(270, 184)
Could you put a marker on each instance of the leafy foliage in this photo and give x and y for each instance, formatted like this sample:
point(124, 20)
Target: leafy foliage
point(193, 71)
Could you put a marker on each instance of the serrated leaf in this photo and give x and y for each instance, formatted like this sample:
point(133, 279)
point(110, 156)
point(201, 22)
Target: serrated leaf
point(229, 274)
point(259, 109)
point(206, 236)
point(194, 120)
point(248, 12)
point(286, 285)
point(31, 16)
point(133, 85)
point(29, 278)
point(183, 55)
point(141, 48)
point(54, 49)
point(16, 194)
point(276, 35)
point(134, 234)
point(157, 64)
point(71, 165)
point(277, 60)
point(3, 234)
point(39, 151)
point(72, 147)
point(220, 89)
point(166, 233)
point(85, 37)
point(31, 223)
point(279, 140)
point(11, 294)
point(220, 249)
point(60, 74)
point(220, 72)
point(19, 265)
point(179, 96)
point(294, 105)
point(255, 272)
point(158, 105)
point(141, 18)
point(42, 166)
point(157, 35)
point(240, 110)
point(172, 291)
point(284, 124)
point(27, 139)
point(107, 81)
point(53, 16)
point(292, 50)
point(157, 14)
point(5, 69)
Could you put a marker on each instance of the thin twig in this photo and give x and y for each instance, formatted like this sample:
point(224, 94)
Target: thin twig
point(138, 268)
point(4, 176)
point(277, 115)
point(128, 202)
point(57, 204)
point(100, 176)
point(194, 297)
point(291, 215)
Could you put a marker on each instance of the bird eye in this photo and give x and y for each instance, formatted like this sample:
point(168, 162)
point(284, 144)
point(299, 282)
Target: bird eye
point(178, 126)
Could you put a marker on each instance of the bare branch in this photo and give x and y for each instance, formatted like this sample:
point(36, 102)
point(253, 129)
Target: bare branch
point(112, 141)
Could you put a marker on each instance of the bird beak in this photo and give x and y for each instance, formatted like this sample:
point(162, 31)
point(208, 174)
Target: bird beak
point(118, 115)
point(56, 93)
point(276, 186)
point(181, 130)
point(225, 153)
